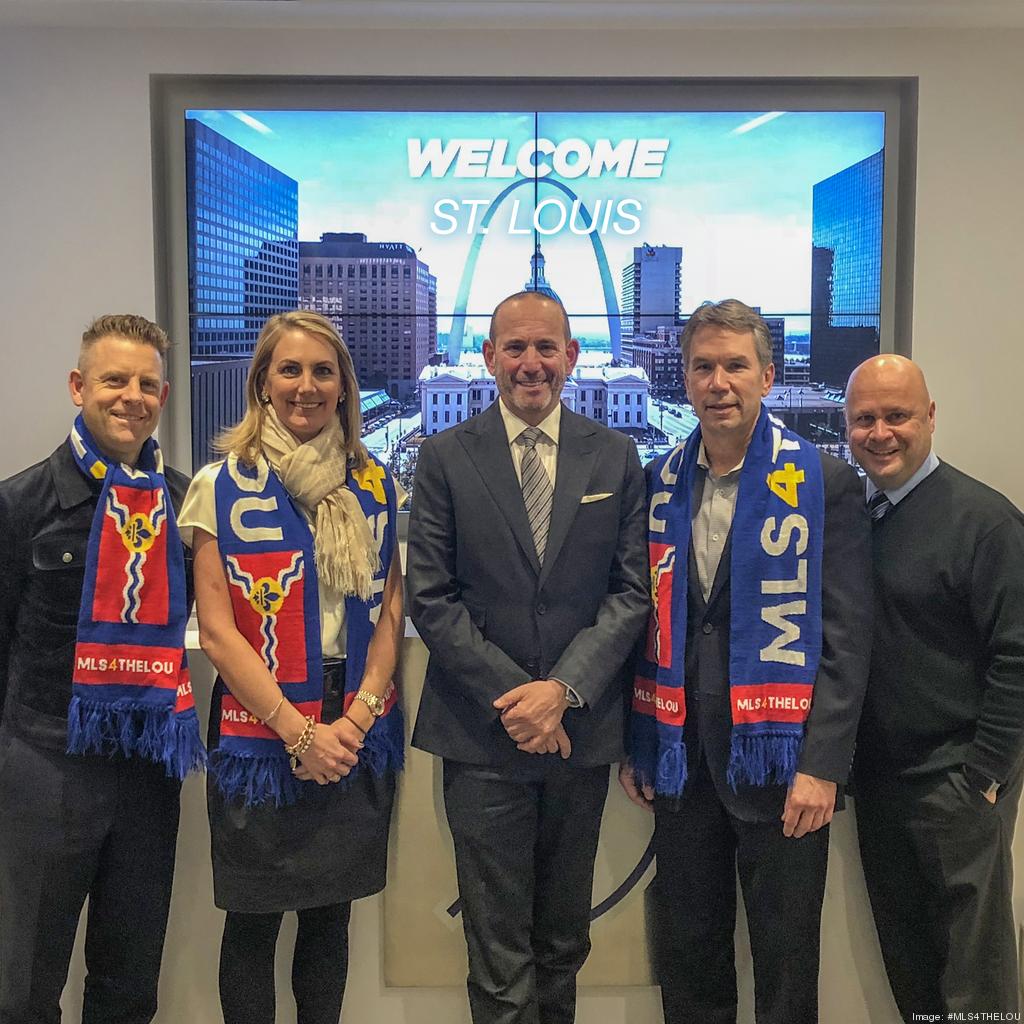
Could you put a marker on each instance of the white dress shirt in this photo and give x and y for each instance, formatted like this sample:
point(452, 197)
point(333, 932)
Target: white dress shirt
point(547, 443)
point(898, 494)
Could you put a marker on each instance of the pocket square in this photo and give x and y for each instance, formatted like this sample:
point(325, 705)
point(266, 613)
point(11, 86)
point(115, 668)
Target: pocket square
point(587, 498)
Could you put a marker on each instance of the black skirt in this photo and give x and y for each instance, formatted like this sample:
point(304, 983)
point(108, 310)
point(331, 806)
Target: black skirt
point(330, 846)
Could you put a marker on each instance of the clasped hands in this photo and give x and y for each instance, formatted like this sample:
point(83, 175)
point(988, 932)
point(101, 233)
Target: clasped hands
point(532, 716)
point(333, 753)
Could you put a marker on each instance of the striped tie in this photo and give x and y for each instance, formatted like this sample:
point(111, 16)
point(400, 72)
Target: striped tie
point(537, 490)
point(878, 506)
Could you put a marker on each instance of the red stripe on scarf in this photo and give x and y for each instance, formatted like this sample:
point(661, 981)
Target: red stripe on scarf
point(643, 695)
point(659, 634)
point(235, 720)
point(116, 551)
point(184, 699)
point(127, 665)
point(266, 570)
point(665, 701)
point(771, 702)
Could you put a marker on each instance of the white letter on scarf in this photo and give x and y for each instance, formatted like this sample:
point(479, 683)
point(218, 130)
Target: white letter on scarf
point(254, 533)
point(790, 632)
point(789, 524)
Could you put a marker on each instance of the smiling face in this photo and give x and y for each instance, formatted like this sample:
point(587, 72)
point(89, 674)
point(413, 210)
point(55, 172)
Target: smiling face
point(119, 386)
point(304, 383)
point(890, 419)
point(725, 382)
point(530, 356)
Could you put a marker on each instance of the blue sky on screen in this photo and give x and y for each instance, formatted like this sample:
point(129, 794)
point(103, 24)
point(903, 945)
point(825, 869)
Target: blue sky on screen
point(734, 191)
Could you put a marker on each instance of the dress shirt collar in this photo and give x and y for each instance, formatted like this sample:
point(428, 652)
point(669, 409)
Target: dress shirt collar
point(514, 426)
point(702, 461)
point(896, 496)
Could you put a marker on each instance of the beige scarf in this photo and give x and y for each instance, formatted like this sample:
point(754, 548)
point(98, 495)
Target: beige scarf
point(314, 474)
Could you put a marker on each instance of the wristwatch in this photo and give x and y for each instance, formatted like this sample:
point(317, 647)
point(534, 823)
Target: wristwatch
point(987, 787)
point(372, 701)
point(572, 698)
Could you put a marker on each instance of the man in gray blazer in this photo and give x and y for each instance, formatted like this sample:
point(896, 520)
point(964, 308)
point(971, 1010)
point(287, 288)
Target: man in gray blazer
point(528, 583)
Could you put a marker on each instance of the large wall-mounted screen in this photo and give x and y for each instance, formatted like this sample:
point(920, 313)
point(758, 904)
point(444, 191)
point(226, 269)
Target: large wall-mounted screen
point(406, 228)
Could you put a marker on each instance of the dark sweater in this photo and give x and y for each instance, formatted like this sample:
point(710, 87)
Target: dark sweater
point(947, 669)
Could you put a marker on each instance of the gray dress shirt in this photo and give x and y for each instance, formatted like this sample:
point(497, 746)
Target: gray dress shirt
point(713, 520)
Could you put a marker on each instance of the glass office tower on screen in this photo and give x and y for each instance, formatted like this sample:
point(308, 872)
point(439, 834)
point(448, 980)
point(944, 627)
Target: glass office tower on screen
point(243, 267)
point(846, 270)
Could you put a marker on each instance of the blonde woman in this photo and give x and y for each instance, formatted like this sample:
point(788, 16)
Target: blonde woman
point(298, 591)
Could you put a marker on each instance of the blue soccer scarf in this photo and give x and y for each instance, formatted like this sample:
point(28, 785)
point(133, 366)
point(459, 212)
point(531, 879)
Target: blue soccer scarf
point(775, 623)
point(266, 545)
point(131, 692)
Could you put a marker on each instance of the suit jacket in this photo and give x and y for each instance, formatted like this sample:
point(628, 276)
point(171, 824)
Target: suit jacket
point(846, 625)
point(46, 513)
point(493, 617)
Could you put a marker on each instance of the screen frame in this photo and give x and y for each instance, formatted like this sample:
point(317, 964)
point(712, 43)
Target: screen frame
point(172, 95)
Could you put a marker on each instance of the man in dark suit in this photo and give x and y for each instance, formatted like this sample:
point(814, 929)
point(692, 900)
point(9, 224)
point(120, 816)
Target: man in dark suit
point(775, 834)
point(527, 582)
point(940, 752)
point(100, 824)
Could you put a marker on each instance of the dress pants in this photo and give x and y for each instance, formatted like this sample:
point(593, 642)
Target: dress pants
point(939, 872)
point(699, 847)
point(524, 854)
point(72, 827)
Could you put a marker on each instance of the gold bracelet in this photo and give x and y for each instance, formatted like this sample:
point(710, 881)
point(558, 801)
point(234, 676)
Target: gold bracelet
point(305, 740)
point(277, 707)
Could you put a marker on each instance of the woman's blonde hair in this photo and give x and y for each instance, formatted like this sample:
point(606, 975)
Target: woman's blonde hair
point(243, 439)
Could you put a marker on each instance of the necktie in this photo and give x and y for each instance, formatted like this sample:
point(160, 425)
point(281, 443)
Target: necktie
point(537, 490)
point(878, 506)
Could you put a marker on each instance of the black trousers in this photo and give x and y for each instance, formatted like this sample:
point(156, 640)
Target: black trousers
point(939, 871)
point(524, 854)
point(699, 848)
point(74, 827)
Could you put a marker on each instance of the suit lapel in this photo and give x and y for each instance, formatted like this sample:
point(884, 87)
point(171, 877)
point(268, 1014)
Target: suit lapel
point(577, 452)
point(724, 573)
point(486, 443)
point(696, 595)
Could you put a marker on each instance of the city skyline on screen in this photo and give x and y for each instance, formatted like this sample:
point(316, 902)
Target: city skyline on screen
point(407, 228)
point(732, 189)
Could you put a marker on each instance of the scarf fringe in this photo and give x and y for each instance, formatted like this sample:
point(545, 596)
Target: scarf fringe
point(257, 780)
point(156, 734)
point(384, 749)
point(672, 770)
point(763, 760)
point(643, 748)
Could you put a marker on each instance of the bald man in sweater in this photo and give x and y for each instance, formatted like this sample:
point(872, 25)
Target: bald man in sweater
point(939, 757)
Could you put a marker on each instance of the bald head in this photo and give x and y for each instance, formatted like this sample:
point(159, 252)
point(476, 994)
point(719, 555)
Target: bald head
point(515, 304)
point(889, 371)
point(890, 418)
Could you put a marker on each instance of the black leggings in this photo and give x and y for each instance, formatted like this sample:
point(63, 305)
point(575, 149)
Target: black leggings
point(319, 966)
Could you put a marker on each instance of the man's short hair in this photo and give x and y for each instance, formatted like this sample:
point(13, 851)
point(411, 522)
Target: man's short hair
point(540, 297)
point(124, 325)
point(729, 315)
